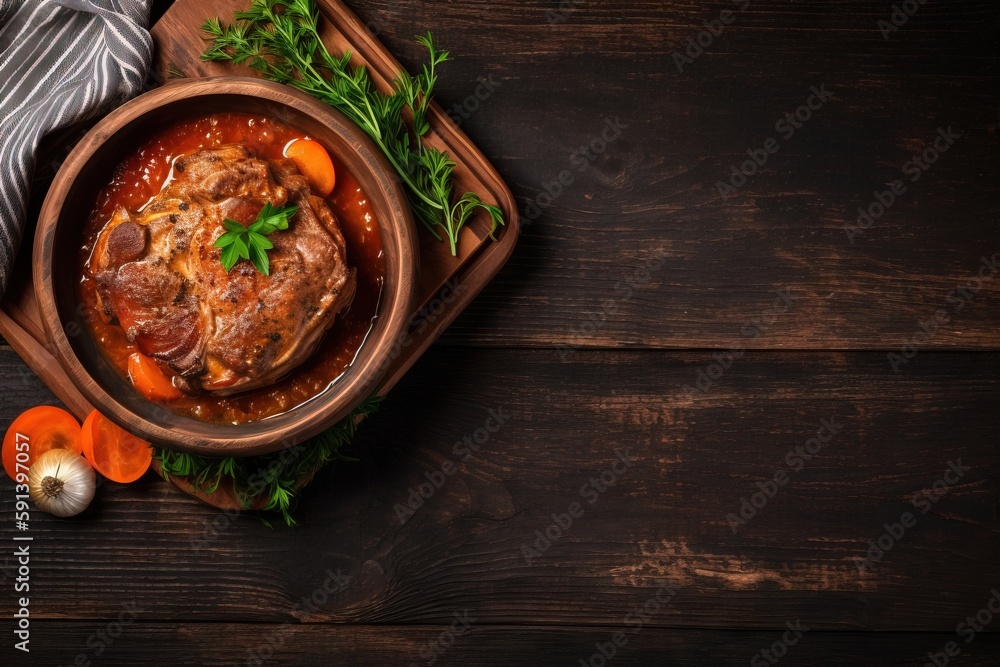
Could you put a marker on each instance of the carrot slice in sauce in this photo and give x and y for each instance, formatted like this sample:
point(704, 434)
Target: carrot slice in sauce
point(114, 452)
point(150, 380)
point(35, 432)
point(314, 163)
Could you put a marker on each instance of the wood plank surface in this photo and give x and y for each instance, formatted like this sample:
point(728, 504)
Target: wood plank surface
point(700, 369)
point(652, 192)
point(217, 644)
point(663, 523)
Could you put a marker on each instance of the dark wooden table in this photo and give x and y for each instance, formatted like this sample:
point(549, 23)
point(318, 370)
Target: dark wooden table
point(793, 409)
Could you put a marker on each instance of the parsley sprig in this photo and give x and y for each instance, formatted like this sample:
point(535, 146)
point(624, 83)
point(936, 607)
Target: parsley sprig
point(272, 481)
point(281, 39)
point(251, 242)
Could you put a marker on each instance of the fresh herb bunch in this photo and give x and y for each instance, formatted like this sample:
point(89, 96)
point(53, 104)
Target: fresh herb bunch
point(280, 38)
point(251, 242)
point(274, 477)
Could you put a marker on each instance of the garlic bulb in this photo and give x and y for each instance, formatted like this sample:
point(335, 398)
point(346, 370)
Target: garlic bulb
point(61, 482)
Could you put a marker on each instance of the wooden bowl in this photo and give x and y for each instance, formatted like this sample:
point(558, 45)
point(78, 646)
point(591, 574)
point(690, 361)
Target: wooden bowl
point(71, 198)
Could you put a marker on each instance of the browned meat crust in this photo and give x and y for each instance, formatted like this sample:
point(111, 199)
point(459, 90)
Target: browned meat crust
point(157, 271)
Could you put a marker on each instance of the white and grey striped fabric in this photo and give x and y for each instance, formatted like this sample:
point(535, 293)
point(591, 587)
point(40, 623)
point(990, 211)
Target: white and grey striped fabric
point(61, 62)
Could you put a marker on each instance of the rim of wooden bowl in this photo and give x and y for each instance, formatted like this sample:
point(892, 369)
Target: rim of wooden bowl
point(121, 403)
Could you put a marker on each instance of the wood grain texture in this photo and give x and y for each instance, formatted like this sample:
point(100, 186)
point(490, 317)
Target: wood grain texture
point(218, 644)
point(652, 192)
point(650, 195)
point(662, 523)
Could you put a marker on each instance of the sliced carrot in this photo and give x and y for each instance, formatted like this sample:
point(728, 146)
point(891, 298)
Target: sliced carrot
point(35, 432)
point(314, 163)
point(150, 380)
point(114, 452)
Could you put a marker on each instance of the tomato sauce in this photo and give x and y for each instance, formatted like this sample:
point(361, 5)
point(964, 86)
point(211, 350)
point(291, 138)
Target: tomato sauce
point(141, 176)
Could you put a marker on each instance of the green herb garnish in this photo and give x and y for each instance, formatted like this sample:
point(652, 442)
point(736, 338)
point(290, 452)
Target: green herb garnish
point(251, 242)
point(284, 44)
point(274, 477)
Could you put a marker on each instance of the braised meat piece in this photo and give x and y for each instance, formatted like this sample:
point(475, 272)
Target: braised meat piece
point(158, 273)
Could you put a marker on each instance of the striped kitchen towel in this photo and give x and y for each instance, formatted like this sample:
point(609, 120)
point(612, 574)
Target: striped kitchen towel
point(61, 62)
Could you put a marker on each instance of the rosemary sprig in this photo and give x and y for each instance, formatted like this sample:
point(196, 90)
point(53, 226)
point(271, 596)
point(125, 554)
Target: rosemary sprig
point(175, 72)
point(280, 38)
point(274, 477)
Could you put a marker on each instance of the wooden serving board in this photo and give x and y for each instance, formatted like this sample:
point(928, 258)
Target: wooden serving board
point(179, 44)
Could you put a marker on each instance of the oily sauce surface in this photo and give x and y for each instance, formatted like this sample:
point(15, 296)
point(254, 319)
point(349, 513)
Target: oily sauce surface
point(141, 176)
